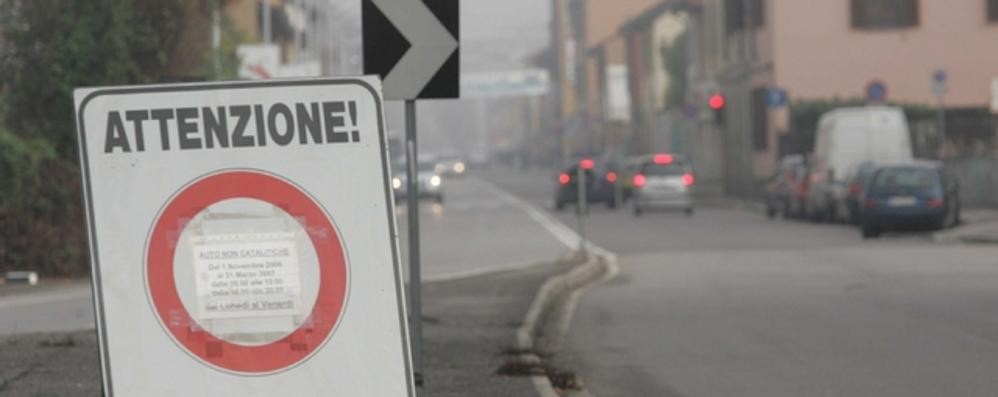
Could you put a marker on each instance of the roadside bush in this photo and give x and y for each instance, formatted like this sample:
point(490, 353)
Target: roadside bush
point(41, 223)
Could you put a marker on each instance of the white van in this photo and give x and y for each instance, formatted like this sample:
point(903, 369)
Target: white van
point(846, 138)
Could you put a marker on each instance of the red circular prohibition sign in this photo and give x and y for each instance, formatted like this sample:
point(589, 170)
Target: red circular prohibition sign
point(160, 280)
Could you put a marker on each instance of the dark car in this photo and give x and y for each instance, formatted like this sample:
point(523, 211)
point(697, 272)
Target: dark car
point(913, 195)
point(606, 185)
point(567, 191)
point(856, 182)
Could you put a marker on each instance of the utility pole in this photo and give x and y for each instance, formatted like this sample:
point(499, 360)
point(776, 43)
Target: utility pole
point(265, 17)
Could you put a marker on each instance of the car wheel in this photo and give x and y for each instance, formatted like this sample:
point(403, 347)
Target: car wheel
point(637, 211)
point(559, 205)
point(870, 231)
point(611, 203)
point(689, 212)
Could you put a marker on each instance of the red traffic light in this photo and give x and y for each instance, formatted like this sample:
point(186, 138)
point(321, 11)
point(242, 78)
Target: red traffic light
point(717, 102)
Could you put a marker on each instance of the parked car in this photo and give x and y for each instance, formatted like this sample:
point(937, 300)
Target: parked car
point(859, 176)
point(909, 195)
point(430, 182)
point(663, 181)
point(567, 190)
point(846, 138)
point(783, 190)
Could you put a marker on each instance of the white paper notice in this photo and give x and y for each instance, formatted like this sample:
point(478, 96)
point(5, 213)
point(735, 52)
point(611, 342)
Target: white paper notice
point(247, 275)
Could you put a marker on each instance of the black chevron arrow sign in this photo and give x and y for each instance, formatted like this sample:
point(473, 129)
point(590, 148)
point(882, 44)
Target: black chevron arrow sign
point(414, 46)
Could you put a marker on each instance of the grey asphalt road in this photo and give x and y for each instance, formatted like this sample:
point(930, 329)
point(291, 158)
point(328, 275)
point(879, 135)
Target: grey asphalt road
point(728, 303)
point(64, 306)
point(475, 229)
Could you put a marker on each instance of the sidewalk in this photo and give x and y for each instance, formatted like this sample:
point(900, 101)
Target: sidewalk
point(980, 226)
point(469, 328)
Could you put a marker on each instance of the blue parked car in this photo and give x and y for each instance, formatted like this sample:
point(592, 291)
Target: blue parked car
point(919, 194)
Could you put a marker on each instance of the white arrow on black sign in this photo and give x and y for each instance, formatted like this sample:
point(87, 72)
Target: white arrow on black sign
point(413, 46)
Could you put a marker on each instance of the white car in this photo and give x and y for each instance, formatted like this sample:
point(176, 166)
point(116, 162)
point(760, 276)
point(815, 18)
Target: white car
point(663, 181)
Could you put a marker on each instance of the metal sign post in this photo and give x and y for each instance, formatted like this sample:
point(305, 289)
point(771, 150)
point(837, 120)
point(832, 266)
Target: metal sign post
point(582, 206)
point(940, 80)
point(412, 208)
point(415, 48)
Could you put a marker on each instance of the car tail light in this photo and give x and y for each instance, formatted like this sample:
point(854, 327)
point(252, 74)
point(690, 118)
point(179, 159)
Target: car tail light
point(936, 203)
point(564, 178)
point(688, 180)
point(870, 202)
point(611, 177)
point(663, 159)
point(639, 180)
point(587, 164)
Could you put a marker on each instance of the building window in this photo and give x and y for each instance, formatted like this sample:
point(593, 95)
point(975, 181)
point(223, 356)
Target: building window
point(760, 120)
point(992, 10)
point(885, 14)
point(735, 12)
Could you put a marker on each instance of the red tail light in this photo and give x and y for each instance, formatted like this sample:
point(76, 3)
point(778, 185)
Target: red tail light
point(688, 180)
point(587, 164)
point(611, 177)
point(564, 178)
point(663, 159)
point(870, 203)
point(639, 180)
point(936, 203)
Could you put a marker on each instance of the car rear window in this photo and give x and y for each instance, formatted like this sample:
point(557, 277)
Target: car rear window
point(671, 169)
point(906, 178)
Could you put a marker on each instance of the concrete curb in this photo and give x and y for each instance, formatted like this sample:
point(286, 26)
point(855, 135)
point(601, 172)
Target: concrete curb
point(594, 267)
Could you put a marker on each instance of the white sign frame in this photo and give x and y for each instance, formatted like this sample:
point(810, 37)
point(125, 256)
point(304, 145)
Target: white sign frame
point(327, 368)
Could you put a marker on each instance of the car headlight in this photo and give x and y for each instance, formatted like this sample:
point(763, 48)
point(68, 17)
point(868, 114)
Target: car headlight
point(459, 167)
point(396, 183)
point(435, 181)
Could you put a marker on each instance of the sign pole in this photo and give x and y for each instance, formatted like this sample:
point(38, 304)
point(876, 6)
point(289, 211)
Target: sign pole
point(582, 205)
point(415, 279)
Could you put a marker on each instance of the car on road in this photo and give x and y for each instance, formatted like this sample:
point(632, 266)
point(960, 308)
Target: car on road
point(845, 138)
point(430, 182)
point(567, 190)
point(607, 187)
point(920, 194)
point(451, 164)
point(663, 181)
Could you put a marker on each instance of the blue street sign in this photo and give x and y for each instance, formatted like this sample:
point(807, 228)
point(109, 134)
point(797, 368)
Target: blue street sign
point(876, 91)
point(776, 97)
point(940, 81)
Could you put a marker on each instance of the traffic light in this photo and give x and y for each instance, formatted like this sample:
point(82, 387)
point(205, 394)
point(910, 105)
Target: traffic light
point(718, 103)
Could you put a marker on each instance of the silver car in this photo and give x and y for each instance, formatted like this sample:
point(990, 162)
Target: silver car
point(430, 182)
point(663, 181)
